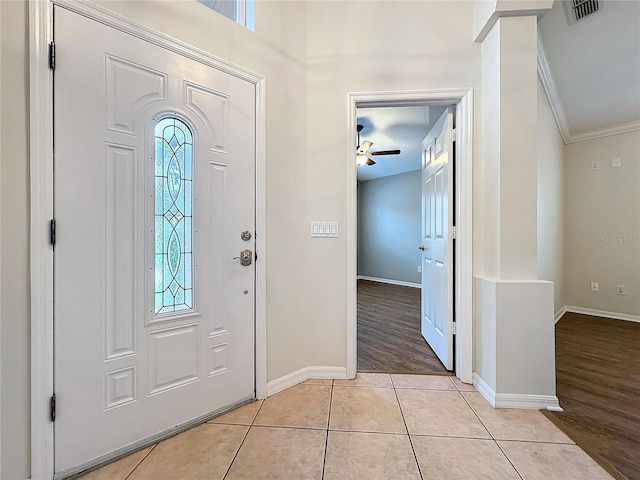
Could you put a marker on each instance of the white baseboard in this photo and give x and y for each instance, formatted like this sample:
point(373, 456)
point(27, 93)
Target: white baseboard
point(299, 376)
point(559, 314)
point(528, 402)
point(514, 400)
point(391, 282)
point(600, 313)
point(485, 390)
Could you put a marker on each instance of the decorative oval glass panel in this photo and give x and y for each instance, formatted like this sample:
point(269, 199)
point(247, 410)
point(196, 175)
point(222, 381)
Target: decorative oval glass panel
point(173, 209)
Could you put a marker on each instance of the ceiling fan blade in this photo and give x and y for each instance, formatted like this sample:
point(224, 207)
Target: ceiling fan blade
point(364, 148)
point(385, 152)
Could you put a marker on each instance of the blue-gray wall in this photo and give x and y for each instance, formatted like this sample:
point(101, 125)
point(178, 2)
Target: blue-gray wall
point(389, 227)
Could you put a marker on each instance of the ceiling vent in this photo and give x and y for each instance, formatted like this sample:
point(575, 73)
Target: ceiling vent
point(583, 8)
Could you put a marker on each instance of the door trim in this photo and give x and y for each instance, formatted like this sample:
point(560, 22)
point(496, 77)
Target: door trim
point(41, 198)
point(463, 295)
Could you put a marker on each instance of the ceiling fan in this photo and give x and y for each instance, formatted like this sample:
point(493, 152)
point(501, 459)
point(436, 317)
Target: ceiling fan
point(363, 155)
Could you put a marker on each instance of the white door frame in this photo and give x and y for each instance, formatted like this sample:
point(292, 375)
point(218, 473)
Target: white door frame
point(41, 185)
point(463, 295)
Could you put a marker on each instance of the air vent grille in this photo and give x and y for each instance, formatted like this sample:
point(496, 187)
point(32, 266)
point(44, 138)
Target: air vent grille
point(584, 8)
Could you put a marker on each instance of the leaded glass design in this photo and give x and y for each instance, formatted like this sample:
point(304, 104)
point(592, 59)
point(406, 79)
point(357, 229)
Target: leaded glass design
point(173, 216)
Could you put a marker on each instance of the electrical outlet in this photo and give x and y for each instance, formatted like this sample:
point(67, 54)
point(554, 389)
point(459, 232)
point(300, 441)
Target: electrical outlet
point(595, 287)
point(620, 289)
point(595, 166)
point(616, 162)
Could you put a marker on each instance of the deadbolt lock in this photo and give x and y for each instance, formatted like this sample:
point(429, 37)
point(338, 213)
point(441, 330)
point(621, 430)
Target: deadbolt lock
point(245, 258)
point(246, 235)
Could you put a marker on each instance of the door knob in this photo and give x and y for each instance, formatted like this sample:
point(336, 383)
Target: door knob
point(421, 247)
point(245, 258)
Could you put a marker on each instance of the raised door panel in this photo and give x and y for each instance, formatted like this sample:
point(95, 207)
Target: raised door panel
point(120, 387)
point(217, 253)
point(129, 88)
point(213, 109)
point(121, 238)
point(173, 358)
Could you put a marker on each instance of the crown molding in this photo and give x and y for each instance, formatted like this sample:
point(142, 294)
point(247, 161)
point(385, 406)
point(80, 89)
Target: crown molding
point(551, 89)
point(604, 132)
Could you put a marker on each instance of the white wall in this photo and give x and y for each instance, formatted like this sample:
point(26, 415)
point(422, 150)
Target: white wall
point(356, 46)
point(14, 251)
point(389, 227)
point(550, 200)
point(602, 216)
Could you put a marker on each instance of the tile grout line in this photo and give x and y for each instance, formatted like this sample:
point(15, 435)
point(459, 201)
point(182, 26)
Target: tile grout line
point(326, 439)
point(492, 437)
point(415, 457)
point(372, 432)
point(286, 427)
point(142, 460)
point(533, 441)
point(456, 437)
point(243, 439)
point(508, 459)
point(258, 412)
point(341, 385)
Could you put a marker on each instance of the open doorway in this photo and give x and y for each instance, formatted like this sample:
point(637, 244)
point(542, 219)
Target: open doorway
point(458, 323)
point(396, 206)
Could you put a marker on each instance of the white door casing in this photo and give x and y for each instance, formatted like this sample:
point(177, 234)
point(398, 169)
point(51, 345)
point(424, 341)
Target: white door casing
point(463, 99)
point(437, 241)
point(123, 372)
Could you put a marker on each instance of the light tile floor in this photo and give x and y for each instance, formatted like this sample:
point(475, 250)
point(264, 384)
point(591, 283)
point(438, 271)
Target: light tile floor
point(375, 427)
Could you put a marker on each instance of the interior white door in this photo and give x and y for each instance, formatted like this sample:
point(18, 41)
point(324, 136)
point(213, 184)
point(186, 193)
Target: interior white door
point(437, 241)
point(154, 186)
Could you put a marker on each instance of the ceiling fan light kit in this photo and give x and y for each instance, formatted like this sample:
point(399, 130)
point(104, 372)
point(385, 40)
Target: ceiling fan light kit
point(362, 151)
point(364, 160)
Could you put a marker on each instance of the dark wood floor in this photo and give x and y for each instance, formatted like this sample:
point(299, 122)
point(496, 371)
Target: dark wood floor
point(598, 384)
point(389, 338)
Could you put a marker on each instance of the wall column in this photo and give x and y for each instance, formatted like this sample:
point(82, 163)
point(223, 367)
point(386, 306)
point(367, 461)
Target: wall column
point(515, 348)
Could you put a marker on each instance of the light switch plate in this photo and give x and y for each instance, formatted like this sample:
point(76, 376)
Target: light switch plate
point(322, 229)
point(616, 162)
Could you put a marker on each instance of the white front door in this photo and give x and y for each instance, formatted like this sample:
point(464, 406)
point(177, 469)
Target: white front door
point(154, 186)
point(437, 241)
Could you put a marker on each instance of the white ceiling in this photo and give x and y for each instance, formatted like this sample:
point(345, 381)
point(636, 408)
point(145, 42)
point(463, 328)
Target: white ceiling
point(391, 128)
point(595, 63)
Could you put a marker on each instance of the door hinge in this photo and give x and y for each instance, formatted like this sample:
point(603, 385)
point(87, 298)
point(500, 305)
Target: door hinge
point(453, 232)
point(52, 408)
point(52, 232)
point(52, 56)
point(256, 256)
point(452, 135)
point(453, 328)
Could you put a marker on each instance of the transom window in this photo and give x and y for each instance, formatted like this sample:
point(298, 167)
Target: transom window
point(173, 216)
point(240, 11)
